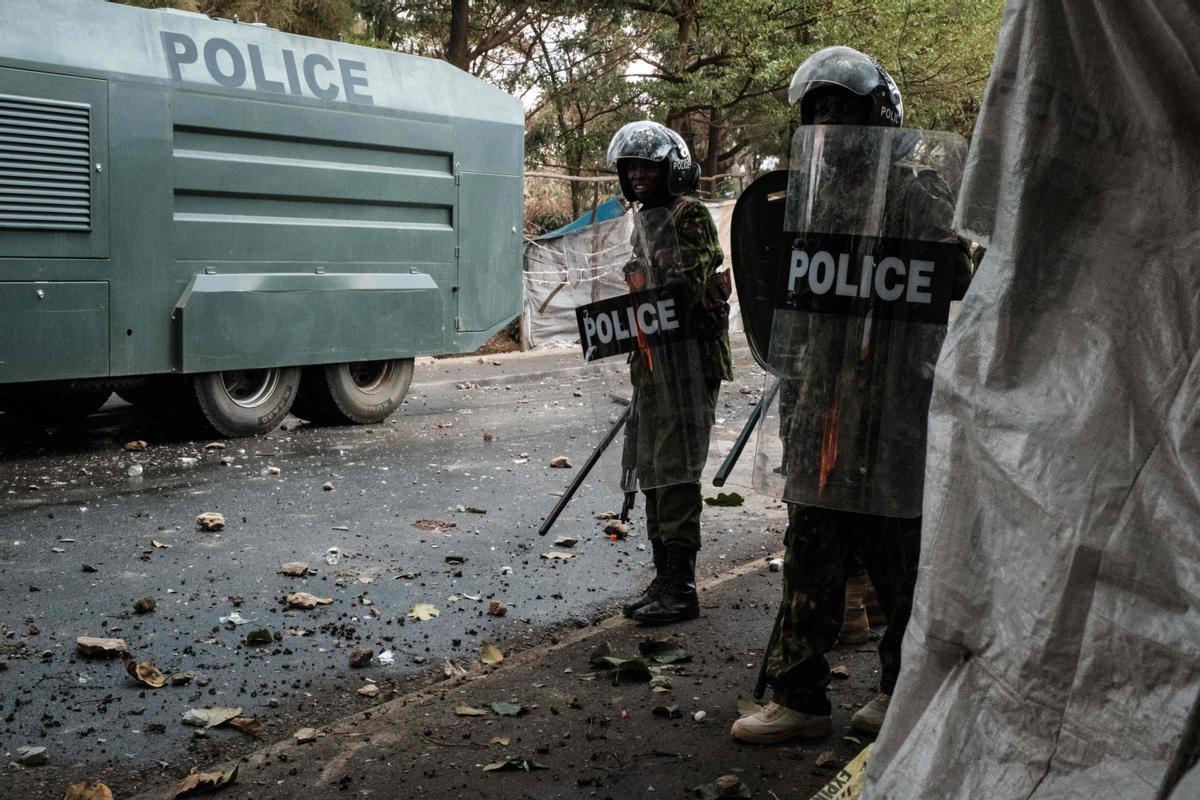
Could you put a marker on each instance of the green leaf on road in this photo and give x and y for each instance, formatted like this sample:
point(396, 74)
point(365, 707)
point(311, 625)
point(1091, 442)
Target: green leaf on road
point(726, 499)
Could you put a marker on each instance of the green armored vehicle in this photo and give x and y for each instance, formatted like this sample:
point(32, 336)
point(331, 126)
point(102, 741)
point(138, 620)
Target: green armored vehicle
point(225, 217)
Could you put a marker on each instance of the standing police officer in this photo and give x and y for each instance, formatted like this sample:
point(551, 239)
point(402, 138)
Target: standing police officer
point(675, 385)
point(857, 364)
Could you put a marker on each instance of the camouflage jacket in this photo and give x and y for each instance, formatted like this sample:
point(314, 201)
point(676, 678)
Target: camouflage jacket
point(684, 254)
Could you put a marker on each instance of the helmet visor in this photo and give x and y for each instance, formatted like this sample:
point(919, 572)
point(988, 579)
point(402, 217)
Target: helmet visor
point(646, 140)
point(834, 66)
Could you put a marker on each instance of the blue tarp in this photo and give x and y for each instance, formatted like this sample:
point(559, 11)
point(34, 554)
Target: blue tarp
point(609, 209)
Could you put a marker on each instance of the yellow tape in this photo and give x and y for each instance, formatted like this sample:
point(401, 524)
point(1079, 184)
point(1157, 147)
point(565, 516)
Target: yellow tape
point(848, 784)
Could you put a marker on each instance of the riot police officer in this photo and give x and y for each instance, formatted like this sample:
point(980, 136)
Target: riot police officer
point(855, 354)
point(675, 384)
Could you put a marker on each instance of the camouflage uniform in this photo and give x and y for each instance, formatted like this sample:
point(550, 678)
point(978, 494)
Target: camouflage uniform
point(823, 543)
point(674, 403)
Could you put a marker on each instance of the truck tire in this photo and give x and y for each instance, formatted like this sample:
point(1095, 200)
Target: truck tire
point(50, 405)
point(246, 402)
point(359, 392)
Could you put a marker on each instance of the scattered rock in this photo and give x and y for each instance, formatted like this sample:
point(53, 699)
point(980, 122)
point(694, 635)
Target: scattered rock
point(487, 437)
point(327, 486)
point(840, 671)
point(295, 569)
point(497, 609)
point(211, 521)
point(700, 716)
point(616, 529)
point(827, 759)
point(209, 717)
point(306, 600)
point(88, 790)
point(32, 756)
point(94, 647)
point(565, 541)
point(137, 445)
point(560, 462)
point(490, 653)
point(775, 564)
point(361, 657)
point(370, 690)
point(306, 735)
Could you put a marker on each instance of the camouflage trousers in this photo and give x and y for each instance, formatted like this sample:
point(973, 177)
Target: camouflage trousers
point(822, 545)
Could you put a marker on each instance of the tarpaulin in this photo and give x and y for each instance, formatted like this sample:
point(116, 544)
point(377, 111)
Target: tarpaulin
point(1054, 648)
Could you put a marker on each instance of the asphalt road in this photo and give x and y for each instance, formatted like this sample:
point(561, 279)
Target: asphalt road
point(77, 549)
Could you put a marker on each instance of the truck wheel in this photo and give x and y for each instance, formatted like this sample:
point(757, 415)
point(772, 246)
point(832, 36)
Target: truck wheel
point(362, 392)
point(246, 402)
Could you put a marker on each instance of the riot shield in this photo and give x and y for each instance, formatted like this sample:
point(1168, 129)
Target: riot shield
point(855, 294)
point(643, 317)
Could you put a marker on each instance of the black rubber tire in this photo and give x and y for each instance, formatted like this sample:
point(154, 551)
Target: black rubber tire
point(362, 392)
point(49, 405)
point(246, 402)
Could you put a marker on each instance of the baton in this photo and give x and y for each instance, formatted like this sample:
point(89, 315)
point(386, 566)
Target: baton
point(740, 444)
point(584, 470)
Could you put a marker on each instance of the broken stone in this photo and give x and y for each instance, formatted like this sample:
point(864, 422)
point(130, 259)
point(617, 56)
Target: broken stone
point(145, 605)
point(306, 600)
point(327, 486)
point(361, 657)
point(827, 759)
point(497, 609)
point(136, 445)
point(560, 462)
point(211, 521)
point(306, 735)
point(295, 569)
point(370, 690)
point(32, 756)
point(88, 790)
point(94, 647)
point(775, 564)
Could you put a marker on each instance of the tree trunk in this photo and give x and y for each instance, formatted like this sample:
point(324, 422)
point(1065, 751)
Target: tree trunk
point(712, 156)
point(684, 21)
point(458, 50)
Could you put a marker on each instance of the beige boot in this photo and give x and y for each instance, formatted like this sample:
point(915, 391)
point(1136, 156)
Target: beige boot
point(856, 628)
point(775, 723)
point(869, 718)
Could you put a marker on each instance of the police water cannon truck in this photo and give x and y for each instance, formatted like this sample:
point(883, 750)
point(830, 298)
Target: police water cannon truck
point(220, 216)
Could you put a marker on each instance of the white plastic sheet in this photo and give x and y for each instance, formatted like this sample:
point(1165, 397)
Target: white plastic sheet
point(1054, 650)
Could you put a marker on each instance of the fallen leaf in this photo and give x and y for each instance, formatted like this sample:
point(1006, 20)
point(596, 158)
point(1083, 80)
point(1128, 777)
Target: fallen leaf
point(663, 652)
point(469, 711)
point(295, 569)
point(209, 717)
point(490, 653)
point(670, 712)
point(211, 521)
point(135, 446)
point(514, 763)
point(559, 556)
point(560, 462)
point(660, 684)
point(306, 600)
point(423, 612)
point(625, 669)
point(260, 637)
point(249, 725)
point(452, 670)
point(94, 647)
point(201, 782)
point(501, 740)
point(57, 550)
point(497, 609)
point(159, 545)
point(145, 605)
point(504, 709)
point(144, 672)
point(88, 790)
point(725, 499)
point(565, 541)
point(370, 690)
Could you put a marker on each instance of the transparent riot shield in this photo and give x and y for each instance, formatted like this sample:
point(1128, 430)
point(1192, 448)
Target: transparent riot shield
point(642, 334)
point(855, 292)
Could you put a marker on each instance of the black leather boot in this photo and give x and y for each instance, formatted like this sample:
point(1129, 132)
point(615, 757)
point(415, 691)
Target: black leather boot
point(677, 600)
point(652, 591)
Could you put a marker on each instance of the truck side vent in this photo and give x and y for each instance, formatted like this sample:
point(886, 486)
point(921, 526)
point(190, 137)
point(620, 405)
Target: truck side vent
point(45, 164)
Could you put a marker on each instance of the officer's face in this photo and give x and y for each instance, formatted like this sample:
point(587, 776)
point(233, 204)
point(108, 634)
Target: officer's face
point(834, 105)
point(645, 177)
